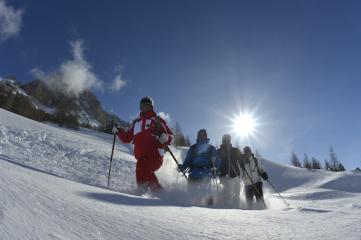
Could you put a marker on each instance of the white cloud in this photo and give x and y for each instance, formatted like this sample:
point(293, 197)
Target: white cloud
point(73, 76)
point(118, 82)
point(165, 116)
point(38, 73)
point(10, 21)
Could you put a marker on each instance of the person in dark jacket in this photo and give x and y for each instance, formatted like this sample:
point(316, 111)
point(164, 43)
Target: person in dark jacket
point(202, 159)
point(201, 162)
point(252, 175)
point(229, 171)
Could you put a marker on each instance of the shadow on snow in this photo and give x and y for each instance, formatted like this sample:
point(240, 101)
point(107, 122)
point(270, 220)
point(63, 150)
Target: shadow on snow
point(130, 200)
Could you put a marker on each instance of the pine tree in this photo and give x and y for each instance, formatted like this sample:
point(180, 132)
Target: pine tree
point(188, 142)
point(333, 161)
point(335, 165)
point(109, 126)
point(315, 164)
point(341, 168)
point(65, 119)
point(295, 161)
point(327, 165)
point(306, 162)
point(179, 138)
point(176, 133)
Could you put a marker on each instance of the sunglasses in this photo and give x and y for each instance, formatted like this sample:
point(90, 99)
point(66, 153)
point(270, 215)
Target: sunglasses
point(142, 105)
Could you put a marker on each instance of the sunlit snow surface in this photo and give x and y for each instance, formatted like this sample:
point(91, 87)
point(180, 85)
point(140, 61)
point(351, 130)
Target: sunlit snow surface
point(37, 204)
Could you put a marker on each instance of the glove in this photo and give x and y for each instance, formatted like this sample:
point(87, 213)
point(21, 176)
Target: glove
point(163, 138)
point(264, 176)
point(115, 129)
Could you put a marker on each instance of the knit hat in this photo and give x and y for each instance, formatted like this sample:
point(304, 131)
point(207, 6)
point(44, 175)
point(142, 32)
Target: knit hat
point(202, 131)
point(147, 101)
point(247, 149)
point(226, 138)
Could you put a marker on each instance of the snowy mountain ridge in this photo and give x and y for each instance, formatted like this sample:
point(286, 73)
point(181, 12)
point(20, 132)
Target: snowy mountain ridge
point(12, 85)
point(85, 107)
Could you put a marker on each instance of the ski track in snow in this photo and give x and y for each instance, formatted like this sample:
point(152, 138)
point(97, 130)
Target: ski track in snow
point(74, 204)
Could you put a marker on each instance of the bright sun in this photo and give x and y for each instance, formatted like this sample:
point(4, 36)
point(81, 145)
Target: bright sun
point(245, 125)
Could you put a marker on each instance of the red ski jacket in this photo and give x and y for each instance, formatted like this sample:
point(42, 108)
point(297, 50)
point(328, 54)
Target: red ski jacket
point(144, 133)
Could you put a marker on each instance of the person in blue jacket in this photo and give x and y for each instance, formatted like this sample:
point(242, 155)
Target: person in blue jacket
point(202, 160)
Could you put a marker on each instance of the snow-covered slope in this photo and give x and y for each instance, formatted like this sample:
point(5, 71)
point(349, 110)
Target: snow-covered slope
point(78, 155)
point(35, 204)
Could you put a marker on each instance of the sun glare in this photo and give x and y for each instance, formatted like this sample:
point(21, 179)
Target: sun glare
point(244, 125)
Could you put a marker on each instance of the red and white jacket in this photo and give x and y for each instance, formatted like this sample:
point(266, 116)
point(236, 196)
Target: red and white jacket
point(144, 133)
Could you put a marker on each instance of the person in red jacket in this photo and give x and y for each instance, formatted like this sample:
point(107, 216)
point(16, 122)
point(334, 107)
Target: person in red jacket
point(150, 134)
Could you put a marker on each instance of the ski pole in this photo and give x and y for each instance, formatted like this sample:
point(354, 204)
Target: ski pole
point(287, 204)
point(111, 160)
point(249, 177)
point(214, 173)
point(254, 186)
point(158, 128)
point(245, 171)
point(171, 153)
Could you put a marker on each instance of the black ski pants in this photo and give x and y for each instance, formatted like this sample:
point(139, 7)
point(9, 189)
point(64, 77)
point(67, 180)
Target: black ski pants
point(256, 191)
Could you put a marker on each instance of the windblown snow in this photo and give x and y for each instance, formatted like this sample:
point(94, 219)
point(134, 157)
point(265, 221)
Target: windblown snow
point(53, 186)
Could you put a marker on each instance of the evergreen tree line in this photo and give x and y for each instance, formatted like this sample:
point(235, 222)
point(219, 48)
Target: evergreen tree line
point(331, 164)
point(180, 139)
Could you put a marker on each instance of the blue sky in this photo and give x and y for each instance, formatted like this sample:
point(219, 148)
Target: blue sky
point(295, 64)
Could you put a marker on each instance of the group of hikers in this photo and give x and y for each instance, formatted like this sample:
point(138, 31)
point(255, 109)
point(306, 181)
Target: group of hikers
point(151, 136)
